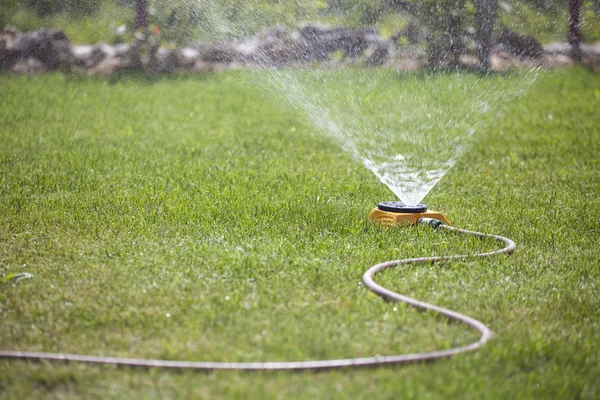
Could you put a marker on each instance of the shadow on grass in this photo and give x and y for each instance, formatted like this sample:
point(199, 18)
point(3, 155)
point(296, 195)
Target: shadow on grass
point(140, 77)
point(151, 78)
point(428, 72)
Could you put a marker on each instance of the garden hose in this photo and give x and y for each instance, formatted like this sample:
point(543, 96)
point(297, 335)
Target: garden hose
point(387, 294)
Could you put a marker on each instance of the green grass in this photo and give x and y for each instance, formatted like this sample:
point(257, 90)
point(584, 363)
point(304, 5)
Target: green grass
point(195, 218)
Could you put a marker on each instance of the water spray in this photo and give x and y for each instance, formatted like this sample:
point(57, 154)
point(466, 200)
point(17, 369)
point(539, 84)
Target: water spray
point(387, 213)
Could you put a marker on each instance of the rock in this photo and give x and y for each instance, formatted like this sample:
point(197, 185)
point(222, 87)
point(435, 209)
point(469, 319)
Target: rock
point(379, 53)
point(177, 59)
point(467, 60)
point(9, 53)
point(203, 66)
point(558, 48)
point(222, 53)
point(352, 44)
point(565, 49)
point(275, 47)
point(520, 45)
point(119, 50)
point(501, 61)
point(247, 50)
point(322, 41)
point(558, 61)
point(98, 55)
point(286, 51)
point(413, 33)
point(142, 55)
point(409, 65)
point(29, 66)
point(189, 54)
point(88, 56)
point(49, 46)
point(108, 66)
point(82, 53)
point(274, 34)
point(316, 43)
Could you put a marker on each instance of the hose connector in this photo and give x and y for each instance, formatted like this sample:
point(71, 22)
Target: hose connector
point(434, 223)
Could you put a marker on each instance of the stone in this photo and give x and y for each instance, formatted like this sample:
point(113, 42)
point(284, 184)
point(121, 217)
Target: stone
point(9, 52)
point(222, 53)
point(177, 59)
point(413, 33)
point(322, 41)
point(468, 60)
point(379, 53)
point(286, 51)
point(82, 53)
point(29, 66)
point(49, 46)
point(520, 45)
point(108, 66)
point(558, 48)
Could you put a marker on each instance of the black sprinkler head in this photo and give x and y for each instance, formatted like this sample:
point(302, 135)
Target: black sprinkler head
point(400, 207)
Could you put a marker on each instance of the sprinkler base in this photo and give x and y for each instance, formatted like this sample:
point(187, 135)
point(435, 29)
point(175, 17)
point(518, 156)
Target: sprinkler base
point(396, 213)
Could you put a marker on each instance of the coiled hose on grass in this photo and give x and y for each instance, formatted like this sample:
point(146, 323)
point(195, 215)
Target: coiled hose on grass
point(387, 294)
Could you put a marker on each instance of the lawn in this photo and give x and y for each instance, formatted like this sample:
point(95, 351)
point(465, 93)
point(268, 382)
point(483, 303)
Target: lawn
point(199, 218)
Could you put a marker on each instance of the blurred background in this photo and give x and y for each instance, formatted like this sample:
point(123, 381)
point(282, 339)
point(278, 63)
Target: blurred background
point(185, 21)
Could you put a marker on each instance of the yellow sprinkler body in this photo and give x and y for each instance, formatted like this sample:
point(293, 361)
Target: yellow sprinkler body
point(397, 213)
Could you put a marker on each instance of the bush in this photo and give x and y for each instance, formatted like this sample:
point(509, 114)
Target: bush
point(7, 7)
point(72, 7)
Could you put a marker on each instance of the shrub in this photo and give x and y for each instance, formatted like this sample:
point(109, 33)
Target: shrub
point(7, 7)
point(72, 7)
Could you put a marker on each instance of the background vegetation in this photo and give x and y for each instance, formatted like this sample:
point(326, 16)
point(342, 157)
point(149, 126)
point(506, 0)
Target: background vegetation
point(183, 21)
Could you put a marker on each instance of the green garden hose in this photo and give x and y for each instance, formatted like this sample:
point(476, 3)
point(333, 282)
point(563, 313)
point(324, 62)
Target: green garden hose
point(387, 294)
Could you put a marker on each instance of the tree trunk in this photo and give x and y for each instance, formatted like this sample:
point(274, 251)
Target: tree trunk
point(141, 14)
point(574, 28)
point(485, 19)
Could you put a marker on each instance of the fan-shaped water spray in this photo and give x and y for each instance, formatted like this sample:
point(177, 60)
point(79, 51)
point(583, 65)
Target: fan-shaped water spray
point(408, 129)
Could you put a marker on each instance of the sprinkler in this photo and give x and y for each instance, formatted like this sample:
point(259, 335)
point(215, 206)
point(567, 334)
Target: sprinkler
point(398, 213)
